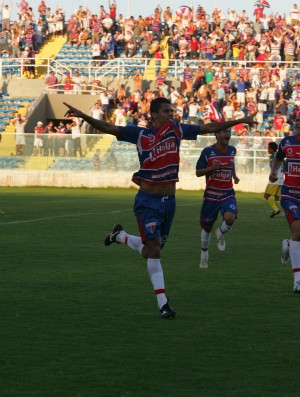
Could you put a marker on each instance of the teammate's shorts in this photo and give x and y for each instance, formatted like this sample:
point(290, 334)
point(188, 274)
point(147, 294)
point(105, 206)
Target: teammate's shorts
point(273, 190)
point(210, 210)
point(291, 208)
point(154, 215)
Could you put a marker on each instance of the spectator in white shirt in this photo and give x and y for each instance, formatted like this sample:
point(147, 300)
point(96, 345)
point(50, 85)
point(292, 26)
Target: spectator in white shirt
point(174, 95)
point(228, 111)
point(295, 15)
point(6, 15)
point(193, 110)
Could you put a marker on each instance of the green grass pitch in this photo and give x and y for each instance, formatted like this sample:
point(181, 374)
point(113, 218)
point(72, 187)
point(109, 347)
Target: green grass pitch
point(79, 319)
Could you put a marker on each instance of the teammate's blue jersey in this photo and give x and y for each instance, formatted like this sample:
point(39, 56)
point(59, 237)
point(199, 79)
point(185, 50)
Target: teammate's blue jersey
point(158, 150)
point(289, 149)
point(219, 182)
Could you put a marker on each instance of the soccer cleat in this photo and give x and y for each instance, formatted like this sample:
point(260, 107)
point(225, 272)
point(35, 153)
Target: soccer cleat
point(112, 237)
point(167, 312)
point(204, 260)
point(274, 213)
point(221, 240)
point(285, 253)
point(297, 287)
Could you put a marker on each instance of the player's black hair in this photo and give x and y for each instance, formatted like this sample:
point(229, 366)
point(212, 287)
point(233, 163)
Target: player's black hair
point(273, 146)
point(156, 104)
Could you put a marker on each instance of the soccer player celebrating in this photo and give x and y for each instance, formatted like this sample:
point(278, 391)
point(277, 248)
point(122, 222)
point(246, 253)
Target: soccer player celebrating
point(158, 152)
point(216, 163)
point(289, 149)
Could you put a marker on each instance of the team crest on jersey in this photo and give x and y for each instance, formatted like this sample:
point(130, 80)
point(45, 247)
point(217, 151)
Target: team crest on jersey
point(293, 208)
point(151, 227)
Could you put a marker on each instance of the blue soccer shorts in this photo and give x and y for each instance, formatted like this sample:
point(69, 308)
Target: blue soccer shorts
point(154, 215)
point(210, 210)
point(291, 208)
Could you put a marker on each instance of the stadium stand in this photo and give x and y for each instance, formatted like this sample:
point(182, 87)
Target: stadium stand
point(229, 64)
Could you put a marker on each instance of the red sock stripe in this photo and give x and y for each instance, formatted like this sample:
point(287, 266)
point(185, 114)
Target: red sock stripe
point(126, 240)
point(160, 291)
point(296, 270)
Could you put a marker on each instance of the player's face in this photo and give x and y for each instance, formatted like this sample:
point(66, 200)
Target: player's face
point(164, 114)
point(223, 137)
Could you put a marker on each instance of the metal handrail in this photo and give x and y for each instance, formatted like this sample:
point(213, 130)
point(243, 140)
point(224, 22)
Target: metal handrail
point(120, 67)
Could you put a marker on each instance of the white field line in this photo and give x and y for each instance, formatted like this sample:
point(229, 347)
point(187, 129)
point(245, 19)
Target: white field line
point(50, 218)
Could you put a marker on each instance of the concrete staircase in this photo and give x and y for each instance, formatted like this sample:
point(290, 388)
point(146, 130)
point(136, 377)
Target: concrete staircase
point(103, 144)
point(49, 50)
point(39, 163)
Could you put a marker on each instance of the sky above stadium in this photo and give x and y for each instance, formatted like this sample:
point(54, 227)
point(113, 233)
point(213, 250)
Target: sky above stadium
point(145, 8)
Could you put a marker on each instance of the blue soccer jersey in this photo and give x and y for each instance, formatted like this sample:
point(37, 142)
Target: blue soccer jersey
point(219, 182)
point(219, 195)
point(158, 150)
point(289, 149)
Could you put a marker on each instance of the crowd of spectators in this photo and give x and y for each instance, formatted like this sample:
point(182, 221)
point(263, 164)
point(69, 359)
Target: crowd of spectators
point(262, 79)
point(231, 63)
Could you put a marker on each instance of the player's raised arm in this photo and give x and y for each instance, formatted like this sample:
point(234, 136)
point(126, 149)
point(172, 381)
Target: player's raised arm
point(223, 125)
point(101, 125)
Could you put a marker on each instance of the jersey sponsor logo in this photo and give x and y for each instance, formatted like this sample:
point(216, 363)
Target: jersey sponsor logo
point(162, 149)
point(297, 192)
point(171, 171)
point(294, 169)
point(224, 175)
point(151, 226)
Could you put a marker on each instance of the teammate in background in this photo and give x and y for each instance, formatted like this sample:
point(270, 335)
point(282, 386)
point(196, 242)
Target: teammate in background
point(216, 163)
point(19, 122)
point(158, 151)
point(273, 189)
point(289, 149)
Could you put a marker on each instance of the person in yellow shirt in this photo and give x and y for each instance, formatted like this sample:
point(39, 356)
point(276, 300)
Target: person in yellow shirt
point(273, 189)
point(236, 51)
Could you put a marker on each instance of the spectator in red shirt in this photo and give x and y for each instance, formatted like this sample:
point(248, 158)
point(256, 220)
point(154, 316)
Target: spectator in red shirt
point(194, 48)
point(278, 123)
point(112, 10)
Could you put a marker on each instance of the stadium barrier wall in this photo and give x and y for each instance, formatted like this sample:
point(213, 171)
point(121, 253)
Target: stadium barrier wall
point(91, 179)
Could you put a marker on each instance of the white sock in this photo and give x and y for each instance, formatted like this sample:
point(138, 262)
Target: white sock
point(133, 242)
point(205, 239)
point(224, 227)
point(295, 258)
point(156, 274)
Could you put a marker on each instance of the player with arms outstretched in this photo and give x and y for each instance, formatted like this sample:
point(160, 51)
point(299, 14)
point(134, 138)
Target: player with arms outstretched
point(158, 152)
point(216, 163)
point(289, 150)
